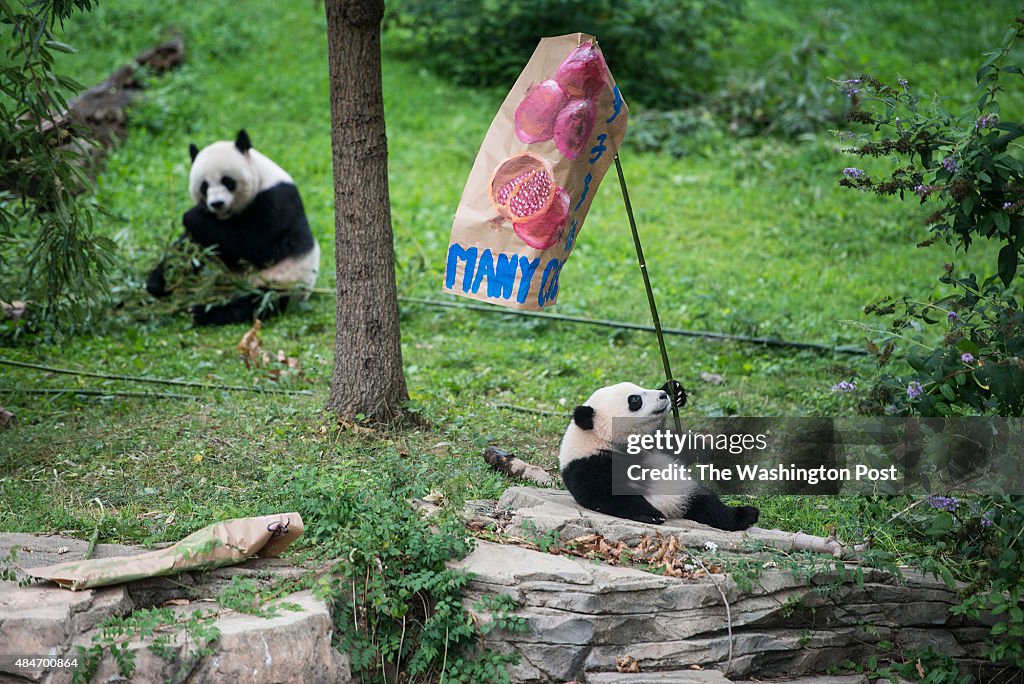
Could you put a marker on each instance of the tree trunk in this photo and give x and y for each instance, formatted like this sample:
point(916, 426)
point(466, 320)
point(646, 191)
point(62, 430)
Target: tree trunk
point(367, 377)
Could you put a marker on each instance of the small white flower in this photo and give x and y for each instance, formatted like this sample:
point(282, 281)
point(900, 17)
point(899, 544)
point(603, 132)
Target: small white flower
point(711, 546)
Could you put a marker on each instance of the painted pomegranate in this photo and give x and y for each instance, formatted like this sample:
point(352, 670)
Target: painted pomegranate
point(584, 73)
point(573, 127)
point(535, 115)
point(543, 231)
point(523, 190)
point(522, 187)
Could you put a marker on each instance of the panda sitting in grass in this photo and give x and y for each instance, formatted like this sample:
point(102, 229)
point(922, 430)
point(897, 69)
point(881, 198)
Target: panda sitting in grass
point(248, 210)
point(599, 431)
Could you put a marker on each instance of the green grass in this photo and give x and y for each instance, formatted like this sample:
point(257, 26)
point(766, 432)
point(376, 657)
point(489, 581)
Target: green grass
point(750, 236)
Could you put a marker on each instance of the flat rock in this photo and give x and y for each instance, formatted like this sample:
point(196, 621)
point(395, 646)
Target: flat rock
point(43, 619)
point(292, 646)
point(786, 623)
point(678, 677)
point(537, 511)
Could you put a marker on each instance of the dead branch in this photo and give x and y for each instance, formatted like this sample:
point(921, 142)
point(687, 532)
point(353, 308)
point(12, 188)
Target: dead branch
point(798, 541)
point(515, 467)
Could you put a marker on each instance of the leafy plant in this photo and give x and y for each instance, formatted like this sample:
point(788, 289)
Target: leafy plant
point(397, 605)
point(788, 95)
point(968, 168)
point(916, 665)
point(50, 254)
point(245, 596)
point(158, 625)
point(994, 539)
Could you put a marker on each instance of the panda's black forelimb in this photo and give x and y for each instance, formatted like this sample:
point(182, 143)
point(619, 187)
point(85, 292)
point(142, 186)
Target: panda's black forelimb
point(272, 228)
point(156, 283)
point(589, 480)
point(705, 507)
point(242, 309)
point(676, 393)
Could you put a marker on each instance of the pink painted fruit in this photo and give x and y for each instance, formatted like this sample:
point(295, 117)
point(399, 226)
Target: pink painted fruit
point(573, 127)
point(522, 187)
point(535, 115)
point(584, 73)
point(544, 230)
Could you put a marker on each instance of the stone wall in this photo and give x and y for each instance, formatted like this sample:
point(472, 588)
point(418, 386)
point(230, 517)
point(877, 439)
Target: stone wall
point(583, 614)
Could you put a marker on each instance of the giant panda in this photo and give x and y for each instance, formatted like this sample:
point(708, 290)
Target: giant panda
point(600, 428)
point(249, 208)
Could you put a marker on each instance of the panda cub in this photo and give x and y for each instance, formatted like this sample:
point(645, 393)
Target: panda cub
point(249, 209)
point(600, 428)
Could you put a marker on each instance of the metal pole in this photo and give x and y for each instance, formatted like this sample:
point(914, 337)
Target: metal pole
point(647, 285)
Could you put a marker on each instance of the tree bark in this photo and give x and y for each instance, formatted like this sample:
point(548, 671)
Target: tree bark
point(367, 378)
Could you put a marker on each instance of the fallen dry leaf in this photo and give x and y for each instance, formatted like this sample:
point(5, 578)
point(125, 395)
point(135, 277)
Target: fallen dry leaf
point(175, 602)
point(626, 663)
point(249, 346)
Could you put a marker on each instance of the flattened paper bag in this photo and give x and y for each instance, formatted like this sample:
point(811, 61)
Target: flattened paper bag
point(216, 545)
point(535, 176)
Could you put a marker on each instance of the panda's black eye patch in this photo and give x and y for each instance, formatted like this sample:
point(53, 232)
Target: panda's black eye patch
point(229, 183)
point(635, 402)
point(204, 186)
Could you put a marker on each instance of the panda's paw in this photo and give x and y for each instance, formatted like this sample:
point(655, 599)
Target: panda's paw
point(156, 283)
point(649, 519)
point(676, 392)
point(746, 516)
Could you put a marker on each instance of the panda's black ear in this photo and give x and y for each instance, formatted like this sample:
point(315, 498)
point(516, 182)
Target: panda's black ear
point(193, 150)
point(583, 416)
point(242, 141)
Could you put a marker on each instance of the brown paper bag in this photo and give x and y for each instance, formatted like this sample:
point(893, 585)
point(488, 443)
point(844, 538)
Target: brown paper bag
point(223, 543)
point(535, 176)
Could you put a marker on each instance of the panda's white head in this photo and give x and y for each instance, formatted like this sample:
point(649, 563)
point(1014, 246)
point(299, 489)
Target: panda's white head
point(612, 413)
point(223, 178)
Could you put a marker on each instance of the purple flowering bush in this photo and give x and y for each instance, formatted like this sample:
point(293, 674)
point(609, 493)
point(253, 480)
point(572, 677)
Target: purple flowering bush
point(968, 173)
point(978, 542)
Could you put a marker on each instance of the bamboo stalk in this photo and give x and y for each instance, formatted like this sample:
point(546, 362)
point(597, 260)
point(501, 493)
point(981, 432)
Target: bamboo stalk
point(160, 381)
point(99, 393)
point(642, 263)
point(625, 325)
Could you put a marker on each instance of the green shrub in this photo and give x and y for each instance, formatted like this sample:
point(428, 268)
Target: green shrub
point(50, 254)
point(397, 605)
point(659, 51)
point(967, 168)
point(789, 94)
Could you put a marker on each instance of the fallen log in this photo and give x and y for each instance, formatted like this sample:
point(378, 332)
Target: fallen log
point(96, 119)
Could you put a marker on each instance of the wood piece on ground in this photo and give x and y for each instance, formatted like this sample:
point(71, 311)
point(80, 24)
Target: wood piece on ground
point(515, 467)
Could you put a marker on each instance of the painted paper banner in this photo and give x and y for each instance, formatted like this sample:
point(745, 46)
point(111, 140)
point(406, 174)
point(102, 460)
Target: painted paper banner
point(535, 176)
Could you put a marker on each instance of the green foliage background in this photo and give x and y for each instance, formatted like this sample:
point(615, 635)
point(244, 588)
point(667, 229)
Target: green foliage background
point(749, 235)
point(746, 230)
